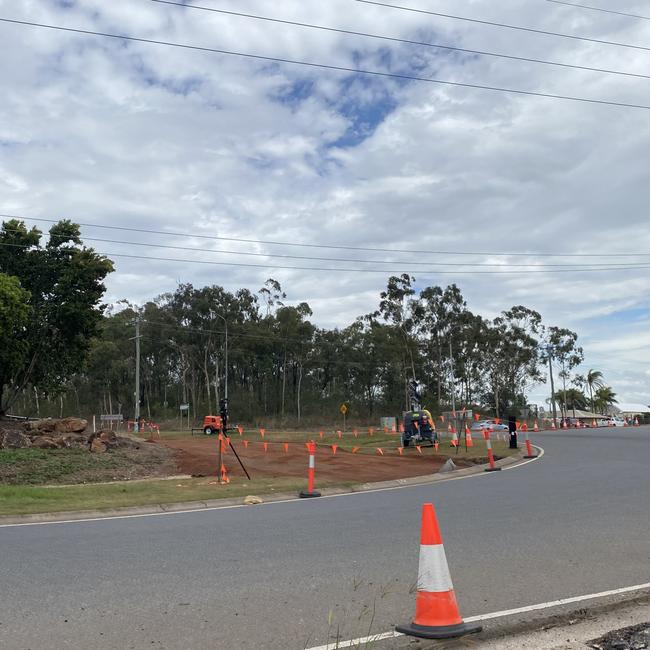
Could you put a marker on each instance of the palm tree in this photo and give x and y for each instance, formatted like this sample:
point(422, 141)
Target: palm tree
point(572, 398)
point(604, 398)
point(593, 380)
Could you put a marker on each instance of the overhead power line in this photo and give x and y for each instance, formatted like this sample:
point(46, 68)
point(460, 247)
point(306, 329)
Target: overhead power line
point(403, 40)
point(400, 263)
point(606, 11)
point(409, 251)
point(478, 21)
point(335, 68)
point(167, 260)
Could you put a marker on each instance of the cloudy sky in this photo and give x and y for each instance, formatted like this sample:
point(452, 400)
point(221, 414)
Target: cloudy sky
point(131, 134)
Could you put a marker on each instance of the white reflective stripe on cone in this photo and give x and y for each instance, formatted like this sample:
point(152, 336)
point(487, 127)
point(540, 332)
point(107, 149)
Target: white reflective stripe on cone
point(312, 462)
point(488, 442)
point(433, 573)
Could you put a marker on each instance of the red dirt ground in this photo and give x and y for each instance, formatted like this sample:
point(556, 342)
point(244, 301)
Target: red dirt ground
point(198, 457)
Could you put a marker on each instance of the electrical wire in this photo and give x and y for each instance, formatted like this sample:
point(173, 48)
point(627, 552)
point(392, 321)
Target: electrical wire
point(532, 30)
point(425, 272)
point(403, 40)
point(335, 68)
point(328, 259)
point(410, 251)
point(606, 11)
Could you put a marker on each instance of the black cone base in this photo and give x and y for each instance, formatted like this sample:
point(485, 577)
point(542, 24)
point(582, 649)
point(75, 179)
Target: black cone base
point(308, 495)
point(492, 469)
point(438, 632)
point(530, 456)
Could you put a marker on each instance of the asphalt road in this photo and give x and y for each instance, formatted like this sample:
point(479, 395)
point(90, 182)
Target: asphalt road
point(284, 576)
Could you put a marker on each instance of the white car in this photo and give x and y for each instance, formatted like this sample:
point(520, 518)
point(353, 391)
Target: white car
point(489, 424)
point(617, 422)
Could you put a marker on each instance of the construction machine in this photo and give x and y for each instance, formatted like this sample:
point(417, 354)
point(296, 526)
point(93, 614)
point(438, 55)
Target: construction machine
point(418, 423)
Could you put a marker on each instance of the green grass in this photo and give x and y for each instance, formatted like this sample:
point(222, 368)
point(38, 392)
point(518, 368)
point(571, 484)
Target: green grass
point(61, 466)
point(15, 500)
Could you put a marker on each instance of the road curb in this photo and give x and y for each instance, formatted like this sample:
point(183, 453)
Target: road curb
point(214, 504)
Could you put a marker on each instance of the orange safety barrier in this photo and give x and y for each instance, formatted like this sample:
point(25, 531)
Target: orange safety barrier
point(310, 493)
point(488, 444)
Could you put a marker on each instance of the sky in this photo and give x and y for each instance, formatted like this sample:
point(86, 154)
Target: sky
point(138, 135)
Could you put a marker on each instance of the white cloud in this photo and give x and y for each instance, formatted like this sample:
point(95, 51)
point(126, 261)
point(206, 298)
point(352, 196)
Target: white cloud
point(145, 136)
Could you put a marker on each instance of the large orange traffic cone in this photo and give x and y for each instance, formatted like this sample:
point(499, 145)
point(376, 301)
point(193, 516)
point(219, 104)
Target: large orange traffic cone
point(436, 610)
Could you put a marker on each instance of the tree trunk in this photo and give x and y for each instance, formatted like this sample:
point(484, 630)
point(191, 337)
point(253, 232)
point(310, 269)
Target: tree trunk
point(284, 380)
point(299, 387)
point(207, 379)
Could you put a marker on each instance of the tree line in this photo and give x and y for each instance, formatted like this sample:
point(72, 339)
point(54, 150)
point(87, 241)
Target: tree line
point(63, 349)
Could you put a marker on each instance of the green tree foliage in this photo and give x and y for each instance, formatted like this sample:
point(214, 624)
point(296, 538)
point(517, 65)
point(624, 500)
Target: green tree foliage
point(604, 398)
point(594, 380)
point(281, 364)
point(278, 362)
point(15, 313)
point(572, 398)
point(63, 284)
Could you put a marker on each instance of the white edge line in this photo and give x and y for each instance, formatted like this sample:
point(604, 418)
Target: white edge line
point(268, 503)
point(486, 617)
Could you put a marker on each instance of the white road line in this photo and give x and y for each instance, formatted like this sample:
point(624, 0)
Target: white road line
point(268, 503)
point(486, 617)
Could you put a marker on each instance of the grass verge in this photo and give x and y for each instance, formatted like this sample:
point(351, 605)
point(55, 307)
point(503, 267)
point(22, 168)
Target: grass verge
point(64, 466)
point(22, 500)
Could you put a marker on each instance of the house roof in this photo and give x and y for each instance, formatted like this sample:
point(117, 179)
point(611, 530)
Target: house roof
point(633, 408)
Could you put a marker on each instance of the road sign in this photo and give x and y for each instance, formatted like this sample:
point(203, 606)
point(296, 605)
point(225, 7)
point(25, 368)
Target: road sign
point(344, 409)
point(184, 407)
point(108, 417)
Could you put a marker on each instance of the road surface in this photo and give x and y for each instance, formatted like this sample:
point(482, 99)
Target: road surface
point(287, 575)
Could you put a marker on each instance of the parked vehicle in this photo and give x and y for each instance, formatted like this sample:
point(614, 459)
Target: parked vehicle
point(618, 421)
point(212, 424)
point(489, 424)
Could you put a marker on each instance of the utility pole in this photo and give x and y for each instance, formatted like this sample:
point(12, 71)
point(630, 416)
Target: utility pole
point(453, 380)
point(549, 349)
point(226, 324)
point(136, 416)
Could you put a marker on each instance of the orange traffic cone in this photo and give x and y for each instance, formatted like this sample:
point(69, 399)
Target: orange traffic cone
point(636, 422)
point(468, 437)
point(535, 426)
point(436, 611)
point(553, 427)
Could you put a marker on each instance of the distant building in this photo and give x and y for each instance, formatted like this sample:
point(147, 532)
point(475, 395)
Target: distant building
point(632, 410)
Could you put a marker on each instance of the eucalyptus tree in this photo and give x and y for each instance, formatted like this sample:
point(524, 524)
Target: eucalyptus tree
point(63, 283)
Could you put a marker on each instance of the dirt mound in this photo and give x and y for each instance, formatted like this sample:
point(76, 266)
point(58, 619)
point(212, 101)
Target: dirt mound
point(63, 433)
point(199, 458)
point(627, 638)
point(52, 425)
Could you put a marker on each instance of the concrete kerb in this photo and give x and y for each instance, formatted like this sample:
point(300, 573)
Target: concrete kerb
point(215, 504)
